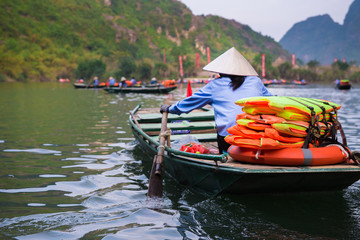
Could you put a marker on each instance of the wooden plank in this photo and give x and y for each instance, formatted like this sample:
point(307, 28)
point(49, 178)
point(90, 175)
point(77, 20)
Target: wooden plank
point(193, 116)
point(201, 137)
point(202, 131)
point(179, 126)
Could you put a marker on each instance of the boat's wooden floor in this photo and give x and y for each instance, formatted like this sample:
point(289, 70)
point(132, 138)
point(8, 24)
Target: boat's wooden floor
point(207, 136)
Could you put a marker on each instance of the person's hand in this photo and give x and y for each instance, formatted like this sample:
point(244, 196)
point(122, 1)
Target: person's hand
point(164, 108)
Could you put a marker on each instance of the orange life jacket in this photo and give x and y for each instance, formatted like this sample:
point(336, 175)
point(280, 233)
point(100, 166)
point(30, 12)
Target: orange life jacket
point(244, 132)
point(261, 118)
point(252, 124)
point(262, 143)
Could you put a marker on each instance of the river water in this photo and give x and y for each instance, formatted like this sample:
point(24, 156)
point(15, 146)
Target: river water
point(71, 169)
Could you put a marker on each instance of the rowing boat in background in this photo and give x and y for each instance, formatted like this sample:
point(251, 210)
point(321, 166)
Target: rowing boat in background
point(142, 89)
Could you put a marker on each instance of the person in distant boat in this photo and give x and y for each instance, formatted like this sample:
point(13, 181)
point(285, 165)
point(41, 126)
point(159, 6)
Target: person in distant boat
point(96, 81)
point(153, 81)
point(133, 81)
point(111, 81)
point(81, 80)
point(123, 83)
point(237, 79)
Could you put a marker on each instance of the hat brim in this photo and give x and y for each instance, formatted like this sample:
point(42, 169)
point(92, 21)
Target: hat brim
point(231, 62)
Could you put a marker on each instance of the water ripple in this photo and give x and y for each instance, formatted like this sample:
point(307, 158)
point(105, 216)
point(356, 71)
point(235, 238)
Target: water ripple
point(34, 150)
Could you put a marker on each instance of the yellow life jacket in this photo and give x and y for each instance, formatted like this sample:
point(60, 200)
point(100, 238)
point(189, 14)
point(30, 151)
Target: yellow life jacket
point(290, 108)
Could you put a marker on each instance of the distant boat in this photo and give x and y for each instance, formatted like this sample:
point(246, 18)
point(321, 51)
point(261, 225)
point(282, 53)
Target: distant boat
point(142, 89)
point(274, 82)
point(300, 82)
point(343, 84)
point(266, 82)
point(84, 85)
point(64, 80)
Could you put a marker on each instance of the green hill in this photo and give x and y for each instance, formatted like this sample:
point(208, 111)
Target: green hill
point(44, 40)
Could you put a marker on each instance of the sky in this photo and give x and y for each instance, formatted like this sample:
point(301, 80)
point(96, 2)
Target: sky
point(270, 17)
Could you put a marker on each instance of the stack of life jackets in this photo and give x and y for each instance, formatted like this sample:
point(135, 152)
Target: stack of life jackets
point(284, 122)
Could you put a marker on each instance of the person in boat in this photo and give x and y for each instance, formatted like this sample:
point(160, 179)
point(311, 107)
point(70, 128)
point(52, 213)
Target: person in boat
point(237, 79)
point(96, 81)
point(111, 81)
point(123, 83)
point(153, 81)
point(81, 80)
point(133, 81)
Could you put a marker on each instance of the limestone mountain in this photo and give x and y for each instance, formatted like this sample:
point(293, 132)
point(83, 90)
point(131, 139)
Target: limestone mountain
point(320, 38)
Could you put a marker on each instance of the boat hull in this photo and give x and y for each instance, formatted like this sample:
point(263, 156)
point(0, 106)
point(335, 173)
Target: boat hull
point(160, 89)
point(83, 85)
point(343, 87)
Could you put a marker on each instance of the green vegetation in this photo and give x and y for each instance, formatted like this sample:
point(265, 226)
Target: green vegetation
point(145, 71)
point(314, 73)
point(90, 68)
point(127, 66)
point(47, 40)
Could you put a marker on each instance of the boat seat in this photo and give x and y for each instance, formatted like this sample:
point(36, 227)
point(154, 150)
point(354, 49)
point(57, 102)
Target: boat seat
point(184, 125)
point(206, 137)
point(193, 116)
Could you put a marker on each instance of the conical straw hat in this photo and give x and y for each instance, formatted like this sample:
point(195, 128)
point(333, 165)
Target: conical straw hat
point(231, 62)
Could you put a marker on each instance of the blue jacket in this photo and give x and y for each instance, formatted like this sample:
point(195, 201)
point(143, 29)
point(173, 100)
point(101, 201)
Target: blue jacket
point(112, 82)
point(219, 94)
point(133, 81)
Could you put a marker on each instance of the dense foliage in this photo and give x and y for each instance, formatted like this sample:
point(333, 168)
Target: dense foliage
point(90, 68)
point(315, 73)
point(46, 40)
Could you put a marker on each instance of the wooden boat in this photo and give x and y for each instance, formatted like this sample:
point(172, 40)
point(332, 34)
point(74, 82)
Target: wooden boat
point(343, 84)
point(64, 80)
point(215, 173)
point(300, 82)
point(84, 85)
point(142, 89)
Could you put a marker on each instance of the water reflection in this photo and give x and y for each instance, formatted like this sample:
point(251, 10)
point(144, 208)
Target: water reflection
point(74, 171)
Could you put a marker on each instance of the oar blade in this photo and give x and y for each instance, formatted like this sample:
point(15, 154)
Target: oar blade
point(155, 182)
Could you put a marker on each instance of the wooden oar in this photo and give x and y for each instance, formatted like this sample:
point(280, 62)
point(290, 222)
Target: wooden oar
point(88, 85)
point(155, 182)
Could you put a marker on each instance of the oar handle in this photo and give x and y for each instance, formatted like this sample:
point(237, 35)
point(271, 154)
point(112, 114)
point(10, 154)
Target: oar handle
point(162, 135)
point(155, 183)
point(158, 166)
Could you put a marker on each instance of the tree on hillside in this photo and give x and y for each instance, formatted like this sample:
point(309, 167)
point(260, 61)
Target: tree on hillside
point(145, 71)
point(313, 64)
point(308, 75)
point(161, 70)
point(90, 68)
point(127, 66)
point(342, 67)
point(270, 70)
point(286, 71)
point(188, 67)
point(355, 77)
